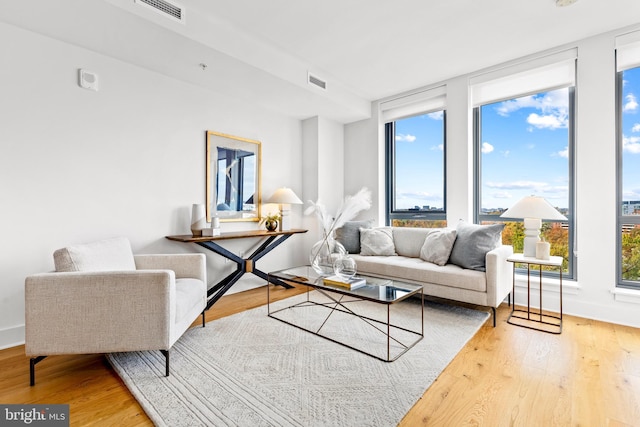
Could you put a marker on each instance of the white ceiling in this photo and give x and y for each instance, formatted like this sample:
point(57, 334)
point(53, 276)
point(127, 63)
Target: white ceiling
point(365, 49)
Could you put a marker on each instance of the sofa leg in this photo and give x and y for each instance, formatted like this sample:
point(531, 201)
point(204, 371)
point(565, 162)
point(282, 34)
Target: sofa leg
point(166, 362)
point(32, 369)
point(509, 299)
point(494, 316)
point(203, 318)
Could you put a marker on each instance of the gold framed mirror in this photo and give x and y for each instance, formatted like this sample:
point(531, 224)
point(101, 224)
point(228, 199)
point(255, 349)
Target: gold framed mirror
point(233, 178)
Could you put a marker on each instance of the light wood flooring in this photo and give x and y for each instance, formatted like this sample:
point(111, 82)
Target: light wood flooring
point(504, 376)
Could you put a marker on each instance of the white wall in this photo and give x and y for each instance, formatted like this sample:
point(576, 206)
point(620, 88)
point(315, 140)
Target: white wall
point(128, 160)
point(591, 295)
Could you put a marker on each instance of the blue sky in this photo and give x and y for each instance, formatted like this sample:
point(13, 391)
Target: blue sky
point(524, 151)
point(525, 143)
point(631, 135)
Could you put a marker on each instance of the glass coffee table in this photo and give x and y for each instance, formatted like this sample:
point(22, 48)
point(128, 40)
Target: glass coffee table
point(353, 318)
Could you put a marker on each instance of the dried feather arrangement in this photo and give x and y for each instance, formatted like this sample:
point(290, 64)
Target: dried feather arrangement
point(350, 207)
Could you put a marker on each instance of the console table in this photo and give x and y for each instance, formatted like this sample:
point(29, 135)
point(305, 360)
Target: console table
point(271, 240)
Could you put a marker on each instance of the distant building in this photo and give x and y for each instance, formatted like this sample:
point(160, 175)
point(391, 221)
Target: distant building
point(631, 207)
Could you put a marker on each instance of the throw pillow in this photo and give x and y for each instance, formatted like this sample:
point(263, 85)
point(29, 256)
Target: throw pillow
point(104, 255)
point(377, 241)
point(349, 235)
point(438, 245)
point(472, 243)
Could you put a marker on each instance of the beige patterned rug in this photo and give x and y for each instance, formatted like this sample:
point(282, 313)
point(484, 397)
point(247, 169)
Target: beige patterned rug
point(252, 370)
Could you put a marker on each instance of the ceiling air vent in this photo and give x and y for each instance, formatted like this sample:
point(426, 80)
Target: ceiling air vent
point(317, 82)
point(165, 8)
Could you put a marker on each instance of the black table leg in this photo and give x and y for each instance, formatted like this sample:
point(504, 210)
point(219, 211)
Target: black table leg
point(243, 266)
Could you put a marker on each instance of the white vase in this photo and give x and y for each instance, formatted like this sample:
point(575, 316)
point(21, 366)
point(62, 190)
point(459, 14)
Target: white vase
point(198, 219)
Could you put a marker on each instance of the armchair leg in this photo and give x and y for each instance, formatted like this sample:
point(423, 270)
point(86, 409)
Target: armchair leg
point(494, 316)
point(203, 318)
point(32, 369)
point(166, 362)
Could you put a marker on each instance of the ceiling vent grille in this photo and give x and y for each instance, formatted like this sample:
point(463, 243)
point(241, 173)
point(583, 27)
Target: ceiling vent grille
point(165, 8)
point(317, 82)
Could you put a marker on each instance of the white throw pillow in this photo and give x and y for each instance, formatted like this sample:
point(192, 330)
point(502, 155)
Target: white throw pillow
point(377, 241)
point(438, 245)
point(104, 255)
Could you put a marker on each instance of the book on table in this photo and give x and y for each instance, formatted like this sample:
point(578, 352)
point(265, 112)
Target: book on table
point(343, 282)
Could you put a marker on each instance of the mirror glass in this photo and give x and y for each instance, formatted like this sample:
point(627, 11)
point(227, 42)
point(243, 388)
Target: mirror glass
point(233, 178)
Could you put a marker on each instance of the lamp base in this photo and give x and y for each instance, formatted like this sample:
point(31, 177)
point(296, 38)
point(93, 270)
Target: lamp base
point(531, 236)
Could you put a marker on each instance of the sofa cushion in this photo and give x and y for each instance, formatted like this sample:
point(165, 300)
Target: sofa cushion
point(104, 255)
point(437, 246)
point(349, 235)
point(472, 243)
point(409, 240)
point(419, 271)
point(377, 241)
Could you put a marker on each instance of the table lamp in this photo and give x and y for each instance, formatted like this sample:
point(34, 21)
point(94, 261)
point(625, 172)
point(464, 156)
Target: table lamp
point(285, 197)
point(533, 209)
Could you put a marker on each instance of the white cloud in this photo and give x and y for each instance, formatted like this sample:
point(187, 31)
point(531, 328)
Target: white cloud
point(407, 138)
point(564, 153)
point(438, 115)
point(517, 185)
point(439, 147)
point(486, 148)
point(631, 144)
point(506, 153)
point(636, 128)
point(553, 106)
point(502, 195)
point(631, 105)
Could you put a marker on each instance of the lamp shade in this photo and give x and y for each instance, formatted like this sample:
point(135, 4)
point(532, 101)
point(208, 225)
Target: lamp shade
point(533, 207)
point(284, 195)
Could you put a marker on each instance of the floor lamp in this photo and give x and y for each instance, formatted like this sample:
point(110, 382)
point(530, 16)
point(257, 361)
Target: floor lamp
point(285, 197)
point(532, 209)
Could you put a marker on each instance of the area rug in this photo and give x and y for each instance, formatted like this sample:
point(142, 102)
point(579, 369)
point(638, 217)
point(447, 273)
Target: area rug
point(252, 370)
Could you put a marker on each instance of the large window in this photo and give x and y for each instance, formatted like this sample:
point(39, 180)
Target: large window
point(629, 177)
point(416, 171)
point(524, 146)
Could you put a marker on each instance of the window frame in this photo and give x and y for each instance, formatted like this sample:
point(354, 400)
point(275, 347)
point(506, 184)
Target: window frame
point(620, 218)
point(571, 273)
point(390, 172)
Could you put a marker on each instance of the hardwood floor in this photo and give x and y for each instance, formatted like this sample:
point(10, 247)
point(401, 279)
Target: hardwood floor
point(504, 376)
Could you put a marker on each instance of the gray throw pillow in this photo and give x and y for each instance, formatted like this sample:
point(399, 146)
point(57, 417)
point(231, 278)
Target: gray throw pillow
point(349, 235)
point(377, 241)
point(472, 243)
point(438, 245)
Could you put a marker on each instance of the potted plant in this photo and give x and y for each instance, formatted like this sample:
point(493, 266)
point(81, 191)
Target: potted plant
point(271, 221)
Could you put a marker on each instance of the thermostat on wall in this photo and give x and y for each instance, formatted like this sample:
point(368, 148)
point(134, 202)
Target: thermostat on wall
point(87, 79)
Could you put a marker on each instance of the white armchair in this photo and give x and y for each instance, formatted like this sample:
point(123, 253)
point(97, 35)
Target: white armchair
point(104, 299)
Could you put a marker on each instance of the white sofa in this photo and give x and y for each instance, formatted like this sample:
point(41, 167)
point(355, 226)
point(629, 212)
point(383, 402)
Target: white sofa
point(487, 288)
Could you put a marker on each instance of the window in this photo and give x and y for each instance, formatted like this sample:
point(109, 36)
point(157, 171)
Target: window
point(524, 146)
point(416, 171)
point(628, 89)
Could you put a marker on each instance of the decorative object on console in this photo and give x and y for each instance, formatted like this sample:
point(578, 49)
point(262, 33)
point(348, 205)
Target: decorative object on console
point(198, 220)
point(285, 197)
point(532, 209)
point(325, 252)
point(271, 222)
point(543, 250)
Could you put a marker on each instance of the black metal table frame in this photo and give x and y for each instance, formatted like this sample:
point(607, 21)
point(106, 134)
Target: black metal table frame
point(339, 305)
point(520, 314)
point(243, 265)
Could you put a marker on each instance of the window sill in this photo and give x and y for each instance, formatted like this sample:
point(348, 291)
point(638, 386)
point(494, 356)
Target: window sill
point(626, 295)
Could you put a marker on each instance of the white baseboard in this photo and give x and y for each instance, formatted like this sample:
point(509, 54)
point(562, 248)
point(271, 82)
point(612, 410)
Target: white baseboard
point(11, 337)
